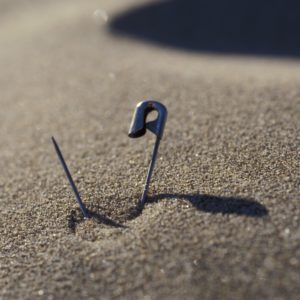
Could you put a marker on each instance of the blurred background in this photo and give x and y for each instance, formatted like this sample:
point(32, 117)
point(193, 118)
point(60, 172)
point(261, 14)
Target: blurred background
point(60, 50)
point(229, 27)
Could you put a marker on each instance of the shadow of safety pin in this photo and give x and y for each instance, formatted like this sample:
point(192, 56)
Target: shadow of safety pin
point(71, 181)
point(138, 128)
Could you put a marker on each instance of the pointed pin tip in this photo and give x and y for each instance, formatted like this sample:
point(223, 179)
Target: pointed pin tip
point(53, 140)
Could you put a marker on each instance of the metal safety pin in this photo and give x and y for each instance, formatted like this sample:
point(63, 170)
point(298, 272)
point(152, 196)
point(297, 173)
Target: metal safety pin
point(71, 181)
point(138, 128)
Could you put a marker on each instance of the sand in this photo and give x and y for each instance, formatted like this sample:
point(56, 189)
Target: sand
point(222, 218)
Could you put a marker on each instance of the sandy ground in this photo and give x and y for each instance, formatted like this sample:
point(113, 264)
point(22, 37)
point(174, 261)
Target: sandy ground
point(223, 216)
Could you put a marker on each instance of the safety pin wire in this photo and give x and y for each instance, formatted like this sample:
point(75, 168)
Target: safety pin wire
point(150, 171)
point(71, 181)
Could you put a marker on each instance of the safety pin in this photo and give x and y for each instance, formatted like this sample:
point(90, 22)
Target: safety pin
point(71, 181)
point(138, 128)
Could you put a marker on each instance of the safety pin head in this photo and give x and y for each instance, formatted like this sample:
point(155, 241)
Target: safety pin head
point(139, 125)
point(138, 128)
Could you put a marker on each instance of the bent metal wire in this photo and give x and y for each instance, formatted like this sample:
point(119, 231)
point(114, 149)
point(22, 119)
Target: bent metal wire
point(139, 126)
point(137, 129)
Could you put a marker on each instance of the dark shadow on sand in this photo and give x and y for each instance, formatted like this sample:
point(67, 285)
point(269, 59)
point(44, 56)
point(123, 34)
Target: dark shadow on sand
point(249, 27)
point(218, 205)
point(76, 217)
point(206, 203)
